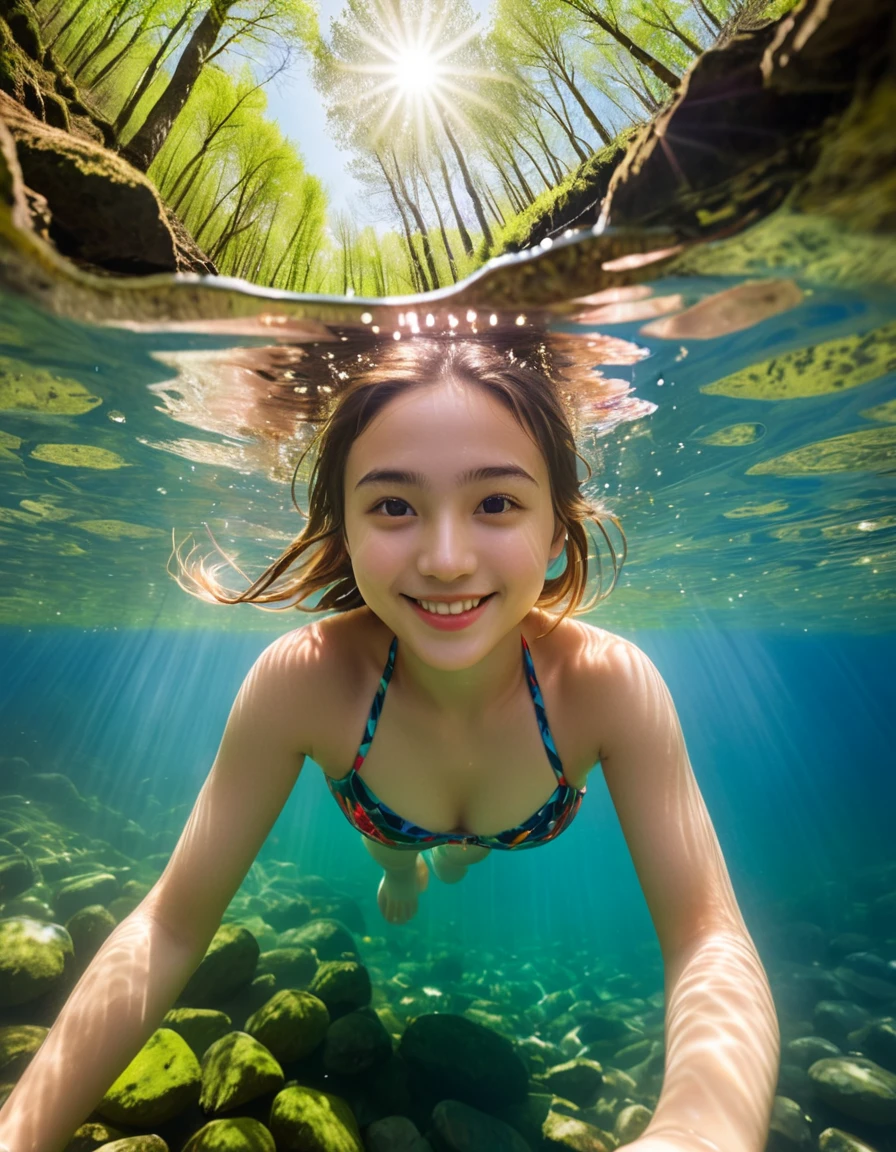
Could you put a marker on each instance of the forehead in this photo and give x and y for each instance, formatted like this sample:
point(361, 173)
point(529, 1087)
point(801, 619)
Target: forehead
point(454, 416)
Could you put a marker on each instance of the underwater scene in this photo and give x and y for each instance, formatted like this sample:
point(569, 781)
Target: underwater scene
point(711, 259)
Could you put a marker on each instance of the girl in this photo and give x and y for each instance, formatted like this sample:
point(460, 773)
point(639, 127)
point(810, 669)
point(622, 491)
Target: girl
point(445, 486)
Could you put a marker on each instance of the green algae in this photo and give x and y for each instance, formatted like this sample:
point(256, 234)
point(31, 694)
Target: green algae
point(770, 508)
point(884, 413)
point(7, 440)
point(25, 388)
point(819, 370)
point(867, 450)
point(735, 435)
point(118, 529)
point(79, 456)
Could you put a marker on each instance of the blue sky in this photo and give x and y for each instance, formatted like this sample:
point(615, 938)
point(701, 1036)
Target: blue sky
point(297, 108)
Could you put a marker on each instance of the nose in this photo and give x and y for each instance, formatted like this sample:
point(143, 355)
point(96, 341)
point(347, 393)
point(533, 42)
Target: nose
point(446, 551)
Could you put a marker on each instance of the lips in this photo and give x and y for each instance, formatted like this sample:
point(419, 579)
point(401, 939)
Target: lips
point(451, 620)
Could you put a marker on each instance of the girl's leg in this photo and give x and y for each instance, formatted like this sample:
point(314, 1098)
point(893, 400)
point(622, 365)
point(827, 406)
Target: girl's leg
point(405, 875)
point(450, 861)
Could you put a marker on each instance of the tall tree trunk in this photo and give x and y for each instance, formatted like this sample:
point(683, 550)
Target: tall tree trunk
point(115, 60)
point(419, 221)
point(468, 183)
point(592, 14)
point(67, 23)
point(438, 211)
point(130, 107)
point(570, 82)
point(418, 276)
point(144, 146)
point(492, 205)
point(458, 219)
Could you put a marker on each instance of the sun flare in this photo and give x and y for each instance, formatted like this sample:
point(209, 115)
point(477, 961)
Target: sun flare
point(416, 71)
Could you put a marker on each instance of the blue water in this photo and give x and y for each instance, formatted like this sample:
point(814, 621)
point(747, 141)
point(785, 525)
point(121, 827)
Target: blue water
point(790, 738)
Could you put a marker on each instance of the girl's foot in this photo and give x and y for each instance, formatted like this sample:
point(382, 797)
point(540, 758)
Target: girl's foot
point(398, 891)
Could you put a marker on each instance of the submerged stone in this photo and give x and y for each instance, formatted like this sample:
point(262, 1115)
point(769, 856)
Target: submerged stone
point(88, 929)
point(79, 456)
point(578, 1080)
point(867, 450)
point(569, 1134)
point(27, 388)
point(91, 1136)
point(394, 1134)
point(291, 1024)
point(290, 967)
point(355, 1043)
point(343, 985)
point(836, 1140)
point(161, 1081)
point(228, 965)
point(453, 1058)
point(329, 939)
point(18, 1044)
point(305, 1120)
point(200, 1027)
point(857, 1087)
point(789, 1129)
point(240, 1134)
point(235, 1070)
point(99, 888)
point(35, 958)
point(457, 1127)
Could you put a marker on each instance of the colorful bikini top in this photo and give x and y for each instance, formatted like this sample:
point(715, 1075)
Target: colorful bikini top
point(366, 812)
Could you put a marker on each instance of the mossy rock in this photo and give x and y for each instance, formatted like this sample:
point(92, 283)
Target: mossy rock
point(235, 1070)
point(856, 1087)
point(305, 1120)
point(21, 20)
point(578, 1080)
point(240, 1134)
point(137, 1144)
point(18, 1044)
point(450, 1057)
point(91, 1136)
point(161, 1082)
point(867, 450)
point(329, 939)
point(569, 1134)
point(343, 985)
point(88, 928)
point(99, 888)
point(457, 1126)
point(228, 965)
point(79, 456)
point(200, 1027)
point(16, 875)
point(291, 967)
point(35, 958)
point(291, 1024)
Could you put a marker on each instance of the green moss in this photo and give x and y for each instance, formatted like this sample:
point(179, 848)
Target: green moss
point(79, 456)
point(25, 388)
point(117, 529)
point(832, 366)
point(735, 435)
point(868, 450)
point(159, 1083)
point(517, 232)
point(304, 1120)
point(240, 1134)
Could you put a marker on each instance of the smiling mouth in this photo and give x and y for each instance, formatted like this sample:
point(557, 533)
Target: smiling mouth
point(456, 608)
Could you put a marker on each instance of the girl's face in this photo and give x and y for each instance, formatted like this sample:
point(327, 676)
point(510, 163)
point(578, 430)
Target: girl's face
point(448, 499)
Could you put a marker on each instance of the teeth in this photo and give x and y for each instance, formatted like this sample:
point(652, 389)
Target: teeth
point(455, 609)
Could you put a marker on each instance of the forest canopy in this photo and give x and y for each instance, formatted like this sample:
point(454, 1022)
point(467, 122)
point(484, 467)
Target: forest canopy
point(458, 127)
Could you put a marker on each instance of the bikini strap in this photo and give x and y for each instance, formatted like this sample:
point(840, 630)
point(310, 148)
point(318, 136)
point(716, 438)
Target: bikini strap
point(541, 715)
point(376, 707)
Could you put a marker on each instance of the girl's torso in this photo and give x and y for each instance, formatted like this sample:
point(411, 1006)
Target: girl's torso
point(483, 776)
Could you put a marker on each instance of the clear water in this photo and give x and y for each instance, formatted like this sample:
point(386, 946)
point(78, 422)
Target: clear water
point(761, 531)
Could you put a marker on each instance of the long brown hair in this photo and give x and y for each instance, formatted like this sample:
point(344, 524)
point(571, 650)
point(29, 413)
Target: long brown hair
point(526, 376)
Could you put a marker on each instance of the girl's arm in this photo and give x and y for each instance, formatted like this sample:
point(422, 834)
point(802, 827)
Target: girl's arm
point(722, 1042)
point(142, 967)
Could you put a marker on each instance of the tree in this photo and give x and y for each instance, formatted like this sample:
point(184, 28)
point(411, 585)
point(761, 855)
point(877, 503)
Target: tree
point(271, 25)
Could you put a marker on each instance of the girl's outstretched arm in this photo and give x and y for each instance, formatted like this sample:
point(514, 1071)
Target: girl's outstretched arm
point(142, 967)
point(722, 1041)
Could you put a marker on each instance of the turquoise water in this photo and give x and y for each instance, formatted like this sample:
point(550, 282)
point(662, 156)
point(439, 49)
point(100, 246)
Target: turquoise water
point(760, 524)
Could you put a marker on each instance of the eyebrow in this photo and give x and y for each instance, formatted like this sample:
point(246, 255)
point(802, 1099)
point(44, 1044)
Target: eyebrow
point(471, 476)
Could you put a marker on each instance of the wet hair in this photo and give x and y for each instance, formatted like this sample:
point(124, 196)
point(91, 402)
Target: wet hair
point(524, 374)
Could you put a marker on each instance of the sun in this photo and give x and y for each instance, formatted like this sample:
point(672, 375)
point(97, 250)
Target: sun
point(416, 71)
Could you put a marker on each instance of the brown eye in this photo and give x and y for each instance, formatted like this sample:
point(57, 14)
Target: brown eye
point(492, 500)
point(393, 507)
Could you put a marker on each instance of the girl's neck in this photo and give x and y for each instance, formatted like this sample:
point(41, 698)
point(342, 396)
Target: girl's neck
point(466, 694)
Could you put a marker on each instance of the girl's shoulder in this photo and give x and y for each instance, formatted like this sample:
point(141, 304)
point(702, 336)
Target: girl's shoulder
point(596, 670)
